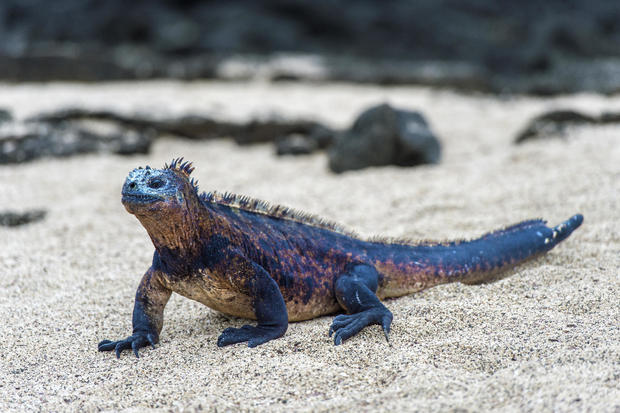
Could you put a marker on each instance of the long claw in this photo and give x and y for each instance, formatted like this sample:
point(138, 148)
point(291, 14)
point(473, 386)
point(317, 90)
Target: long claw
point(386, 327)
point(387, 337)
point(135, 347)
point(151, 340)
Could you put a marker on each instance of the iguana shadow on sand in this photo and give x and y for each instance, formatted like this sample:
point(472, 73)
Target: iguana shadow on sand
point(249, 259)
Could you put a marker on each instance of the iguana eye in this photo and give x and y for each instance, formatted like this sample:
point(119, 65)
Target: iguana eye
point(156, 183)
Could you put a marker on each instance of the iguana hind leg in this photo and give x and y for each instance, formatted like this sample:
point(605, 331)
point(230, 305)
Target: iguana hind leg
point(356, 293)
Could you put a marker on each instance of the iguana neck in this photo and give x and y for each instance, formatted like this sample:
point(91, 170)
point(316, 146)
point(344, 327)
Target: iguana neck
point(174, 231)
point(181, 233)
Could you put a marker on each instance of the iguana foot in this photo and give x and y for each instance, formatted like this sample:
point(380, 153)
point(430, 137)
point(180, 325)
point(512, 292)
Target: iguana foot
point(134, 342)
point(356, 293)
point(347, 325)
point(253, 335)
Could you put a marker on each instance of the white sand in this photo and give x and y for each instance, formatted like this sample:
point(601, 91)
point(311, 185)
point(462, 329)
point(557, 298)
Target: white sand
point(544, 339)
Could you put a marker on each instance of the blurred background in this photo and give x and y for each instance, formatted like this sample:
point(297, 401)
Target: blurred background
point(532, 48)
point(549, 47)
point(368, 83)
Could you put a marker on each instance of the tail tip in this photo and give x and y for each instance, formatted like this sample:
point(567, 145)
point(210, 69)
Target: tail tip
point(576, 220)
point(568, 226)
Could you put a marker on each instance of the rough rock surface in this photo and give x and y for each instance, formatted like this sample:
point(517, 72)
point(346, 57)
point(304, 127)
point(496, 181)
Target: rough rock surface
point(383, 135)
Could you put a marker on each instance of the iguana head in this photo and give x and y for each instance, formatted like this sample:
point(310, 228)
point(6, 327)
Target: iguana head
point(154, 192)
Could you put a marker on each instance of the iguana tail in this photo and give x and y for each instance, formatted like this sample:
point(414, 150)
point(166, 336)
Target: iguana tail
point(410, 268)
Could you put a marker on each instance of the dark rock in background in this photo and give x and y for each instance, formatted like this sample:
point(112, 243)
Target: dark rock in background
point(197, 126)
point(609, 117)
point(26, 142)
point(269, 130)
point(318, 137)
point(554, 124)
point(77, 131)
point(527, 46)
point(14, 219)
point(5, 116)
point(187, 126)
point(382, 136)
point(296, 144)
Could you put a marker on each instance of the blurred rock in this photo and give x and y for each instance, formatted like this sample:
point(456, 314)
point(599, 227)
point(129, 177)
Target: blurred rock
point(609, 117)
point(382, 136)
point(554, 124)
point(524, 47)
point(5, 116)
point(269, 130)
point(14, 219)
point(26, 142)
point(75, 131)
point(318, 137)
point(35, 68)
point(197, 126)
point(296, 144)
point(322, 135)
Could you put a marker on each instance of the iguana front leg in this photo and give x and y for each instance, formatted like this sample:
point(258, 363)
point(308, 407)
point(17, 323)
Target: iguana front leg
point(148, 316)
point(268, 304)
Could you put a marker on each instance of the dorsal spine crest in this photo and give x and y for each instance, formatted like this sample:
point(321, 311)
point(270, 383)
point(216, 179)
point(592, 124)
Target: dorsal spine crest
point(259, 206)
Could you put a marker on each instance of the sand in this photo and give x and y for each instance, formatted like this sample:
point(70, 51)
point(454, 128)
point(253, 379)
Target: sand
point(547, 338)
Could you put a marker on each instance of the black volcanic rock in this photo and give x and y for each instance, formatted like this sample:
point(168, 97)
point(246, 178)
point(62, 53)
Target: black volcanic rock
point(5, 116)
point(382, 136)
point(26, 142)
point(317, 137)
point(296, 144)
point(554, 124)
point(15, 219)
point(194, 126)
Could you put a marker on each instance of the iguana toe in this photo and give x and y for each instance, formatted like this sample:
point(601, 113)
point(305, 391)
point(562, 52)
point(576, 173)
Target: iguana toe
point(133, 342)
point(253, 335)
point(346, 326)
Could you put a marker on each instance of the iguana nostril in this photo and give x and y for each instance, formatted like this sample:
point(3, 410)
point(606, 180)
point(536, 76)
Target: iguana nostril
point(132, 185)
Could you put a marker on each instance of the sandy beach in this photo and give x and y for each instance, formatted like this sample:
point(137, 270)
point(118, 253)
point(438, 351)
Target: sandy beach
point(546, 338)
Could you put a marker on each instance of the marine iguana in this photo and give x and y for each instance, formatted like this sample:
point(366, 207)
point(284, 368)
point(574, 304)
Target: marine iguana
point(246, 258)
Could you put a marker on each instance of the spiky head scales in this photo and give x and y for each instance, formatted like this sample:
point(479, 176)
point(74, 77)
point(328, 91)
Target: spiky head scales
point(184, 169)
point(178, 165)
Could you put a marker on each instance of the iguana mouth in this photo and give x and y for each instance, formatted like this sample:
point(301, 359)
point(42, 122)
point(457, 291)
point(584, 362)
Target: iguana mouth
point(140, 198)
